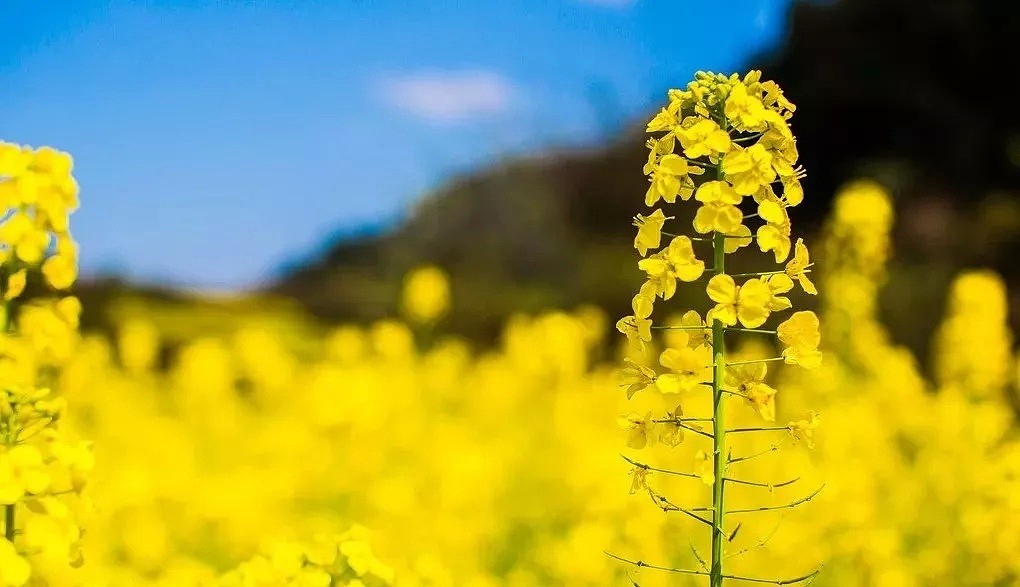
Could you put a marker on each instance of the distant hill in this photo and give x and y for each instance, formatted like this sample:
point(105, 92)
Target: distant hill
point(912, 93)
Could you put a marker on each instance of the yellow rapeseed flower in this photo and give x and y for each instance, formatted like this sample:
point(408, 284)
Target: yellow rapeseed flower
point(800, 333)
point(669, 178)
point(799, 266)
point(649, 235)
point(749, 381)
point(748, 170)
point(675, 262)
point(640, 429)
point(748, 303)
point(689, 366)
point(719, 210)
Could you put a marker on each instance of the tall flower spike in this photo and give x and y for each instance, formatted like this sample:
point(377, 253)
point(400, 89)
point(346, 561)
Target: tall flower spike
point(735, 130)
point(42, 469)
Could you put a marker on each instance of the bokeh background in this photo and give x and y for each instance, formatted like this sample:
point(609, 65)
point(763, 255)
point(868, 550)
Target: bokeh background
point(258, 178)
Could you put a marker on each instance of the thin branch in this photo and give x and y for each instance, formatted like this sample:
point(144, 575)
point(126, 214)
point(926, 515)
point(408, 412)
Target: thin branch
point(682, 425)
point(642, 564)
point(771, 449)
point(747, 138)
point(759, 544)
point(792, 504)
point(759, 330)
point(701, 560)
point(756, 361)
point(667, 506)
point(770, 486)
point(731, 392)
point(800, 579)
point(658, 470)
point(757, 429)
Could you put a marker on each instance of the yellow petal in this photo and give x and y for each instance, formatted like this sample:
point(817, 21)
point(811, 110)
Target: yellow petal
point(722, 289)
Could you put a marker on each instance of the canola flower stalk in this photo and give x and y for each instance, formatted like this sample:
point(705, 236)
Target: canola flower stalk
point(43, 469)
point(734, 130)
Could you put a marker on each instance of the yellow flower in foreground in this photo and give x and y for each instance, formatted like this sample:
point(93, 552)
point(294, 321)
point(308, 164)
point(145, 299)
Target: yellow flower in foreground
point(689, 366)
point(748, 169)
point(677, 261)
point(665, 119)
point(779, 284)
point(21, 472)
point(737, 239)
point(775, 234)
point(801, 336)
point(671, 433)
point(638, 327)
point(28, 240)
point(688, 330)
point(745, 111)
point(719, 210)
point(704, 138)
point(805, 429)
point(649, 235)
point(748, 303)
point(669, 179)
point(638, 479)
point(639, 429)
point(60, 271)
point(799, 266)
point(637, 330)
point(749, 381)
point(636, 377)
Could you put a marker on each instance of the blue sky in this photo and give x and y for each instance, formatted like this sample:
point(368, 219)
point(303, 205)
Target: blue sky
point(216, 140)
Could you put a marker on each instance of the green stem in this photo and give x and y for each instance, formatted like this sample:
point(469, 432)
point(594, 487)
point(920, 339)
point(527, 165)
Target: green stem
point(9, 511)
point(9, 522)
point(718, 426)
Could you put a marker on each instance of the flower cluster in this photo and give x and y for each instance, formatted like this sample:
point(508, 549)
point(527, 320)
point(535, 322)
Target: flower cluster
point(856, 248)
point(37, 194)
point(43, 470)
point(219, 428)
point(339, 561)
point(973, 347)
point(724, 142)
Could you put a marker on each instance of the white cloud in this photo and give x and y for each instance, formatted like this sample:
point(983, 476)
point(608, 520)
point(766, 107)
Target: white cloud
point(449, 97)
point(762, 19)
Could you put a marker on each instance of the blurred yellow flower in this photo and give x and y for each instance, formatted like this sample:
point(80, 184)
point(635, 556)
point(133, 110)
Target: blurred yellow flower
point(426, 296)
